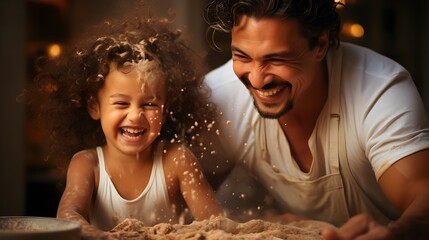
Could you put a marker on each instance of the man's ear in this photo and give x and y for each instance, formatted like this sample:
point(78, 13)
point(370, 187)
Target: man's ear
point(93, 108)
point(322, 45)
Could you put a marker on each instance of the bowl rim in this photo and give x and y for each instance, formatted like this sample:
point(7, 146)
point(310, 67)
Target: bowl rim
point(67, 226)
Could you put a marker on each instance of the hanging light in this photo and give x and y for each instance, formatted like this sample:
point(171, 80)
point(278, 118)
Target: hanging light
point(54, 50)
point(353, 29)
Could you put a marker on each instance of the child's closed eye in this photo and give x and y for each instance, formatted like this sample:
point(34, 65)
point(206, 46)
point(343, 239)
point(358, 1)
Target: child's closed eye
point(151, 105)
point(120, 104)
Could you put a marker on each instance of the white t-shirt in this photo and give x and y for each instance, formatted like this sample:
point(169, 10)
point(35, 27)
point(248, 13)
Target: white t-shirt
point(381, 108)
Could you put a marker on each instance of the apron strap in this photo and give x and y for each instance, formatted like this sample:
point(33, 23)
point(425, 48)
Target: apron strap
point(334, 94)
point(355, 195)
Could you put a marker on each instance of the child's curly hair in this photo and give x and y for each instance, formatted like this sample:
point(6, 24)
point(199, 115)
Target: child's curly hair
point(62, 87)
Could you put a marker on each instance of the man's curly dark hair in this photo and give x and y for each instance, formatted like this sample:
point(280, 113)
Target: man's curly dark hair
point(315, 16)
point(61, 90)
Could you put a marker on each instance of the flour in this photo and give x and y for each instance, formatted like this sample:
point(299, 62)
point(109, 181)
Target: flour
point(219, 228)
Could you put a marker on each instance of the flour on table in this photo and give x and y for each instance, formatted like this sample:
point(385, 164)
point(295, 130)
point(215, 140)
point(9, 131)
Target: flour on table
point(219, 228)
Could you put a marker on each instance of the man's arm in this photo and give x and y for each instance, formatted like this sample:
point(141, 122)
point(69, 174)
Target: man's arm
point(406, 185)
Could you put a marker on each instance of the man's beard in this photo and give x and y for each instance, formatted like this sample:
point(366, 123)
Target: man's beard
point(284, 110)
point(275, 115)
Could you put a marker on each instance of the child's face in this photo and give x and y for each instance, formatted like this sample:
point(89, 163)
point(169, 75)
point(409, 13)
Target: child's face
point(130, 106)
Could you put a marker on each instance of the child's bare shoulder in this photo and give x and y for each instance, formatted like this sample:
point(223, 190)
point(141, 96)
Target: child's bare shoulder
point(87, 157)
point(177, 149)
point(180, 162)
point(175, 153)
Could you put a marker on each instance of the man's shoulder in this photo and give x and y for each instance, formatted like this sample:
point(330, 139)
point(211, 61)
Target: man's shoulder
point(348, 47)
point(372, 61)
point(226, 89)
point(221, 76)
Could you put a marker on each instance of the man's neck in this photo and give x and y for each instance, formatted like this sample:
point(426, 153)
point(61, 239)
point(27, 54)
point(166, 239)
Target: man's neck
point(307, 108)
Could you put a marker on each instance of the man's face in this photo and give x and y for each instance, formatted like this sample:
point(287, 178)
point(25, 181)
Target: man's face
point(273, 59)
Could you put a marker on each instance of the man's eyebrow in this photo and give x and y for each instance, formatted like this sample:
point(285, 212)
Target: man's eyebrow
point(236, 49)
point(282, 54)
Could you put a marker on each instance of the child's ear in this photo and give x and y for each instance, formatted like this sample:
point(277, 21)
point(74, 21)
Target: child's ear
point(93, 108)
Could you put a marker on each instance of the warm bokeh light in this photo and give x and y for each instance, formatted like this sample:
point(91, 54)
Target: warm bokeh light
point(54, 50)
point(352, 29)
point(345, 2)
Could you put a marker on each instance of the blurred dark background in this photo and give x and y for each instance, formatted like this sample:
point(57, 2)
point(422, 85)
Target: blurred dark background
point(32, 185)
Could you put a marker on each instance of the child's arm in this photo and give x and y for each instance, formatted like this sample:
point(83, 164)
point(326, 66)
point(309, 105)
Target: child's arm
point(75, 203)
point(196, 191)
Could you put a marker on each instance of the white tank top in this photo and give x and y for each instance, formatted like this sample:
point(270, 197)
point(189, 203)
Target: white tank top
point(152, 206)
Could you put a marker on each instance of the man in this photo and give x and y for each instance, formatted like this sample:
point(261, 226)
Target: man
point(336, 132)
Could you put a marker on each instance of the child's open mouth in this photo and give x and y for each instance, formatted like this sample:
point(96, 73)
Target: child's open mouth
point(132, 132)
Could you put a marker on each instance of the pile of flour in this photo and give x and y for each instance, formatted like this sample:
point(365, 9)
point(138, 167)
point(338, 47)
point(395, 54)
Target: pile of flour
point(219, 228)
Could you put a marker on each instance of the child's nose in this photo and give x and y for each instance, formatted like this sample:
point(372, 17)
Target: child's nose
point(135, 115)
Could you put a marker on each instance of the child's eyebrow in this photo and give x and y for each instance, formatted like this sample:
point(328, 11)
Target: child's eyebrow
point(146, 97)
point(117, 95)
point(152, 97)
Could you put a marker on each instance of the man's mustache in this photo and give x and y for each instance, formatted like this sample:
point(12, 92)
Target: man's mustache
point(273, 84)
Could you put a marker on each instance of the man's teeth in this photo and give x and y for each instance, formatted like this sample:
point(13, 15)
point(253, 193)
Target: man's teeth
point(268, 93)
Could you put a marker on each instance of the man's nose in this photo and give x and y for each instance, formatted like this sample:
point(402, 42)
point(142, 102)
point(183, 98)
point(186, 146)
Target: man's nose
point(258, 76)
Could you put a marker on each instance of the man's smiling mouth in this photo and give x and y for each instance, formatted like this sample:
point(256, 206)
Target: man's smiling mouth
point(270, 92)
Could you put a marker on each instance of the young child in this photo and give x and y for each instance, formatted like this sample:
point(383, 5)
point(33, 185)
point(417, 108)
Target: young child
point(127, 102)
